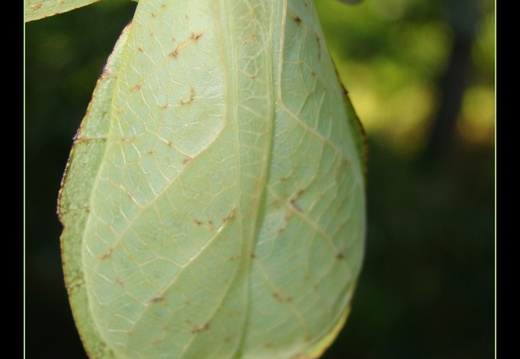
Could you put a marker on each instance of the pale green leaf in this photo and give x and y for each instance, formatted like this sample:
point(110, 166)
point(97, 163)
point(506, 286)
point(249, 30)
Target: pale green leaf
point(38, 9)
point(214, 203)
point(73, 209)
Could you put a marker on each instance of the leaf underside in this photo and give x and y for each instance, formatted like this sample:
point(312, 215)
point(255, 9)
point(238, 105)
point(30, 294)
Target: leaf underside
point(39, 9)
point(213, 205)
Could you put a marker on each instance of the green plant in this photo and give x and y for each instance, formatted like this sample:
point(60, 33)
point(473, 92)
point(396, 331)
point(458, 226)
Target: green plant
point(214, 201)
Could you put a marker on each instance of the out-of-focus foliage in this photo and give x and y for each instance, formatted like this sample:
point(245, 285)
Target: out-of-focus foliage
point(427, 286)
point(391, 54)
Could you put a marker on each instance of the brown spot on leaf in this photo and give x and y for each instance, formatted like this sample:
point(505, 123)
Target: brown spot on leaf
point(136, 87)
point(251, 38)
point(198, 328)
point(174, 53)
point(107, 254)
point(127, 139)
point(319, 46)
point(282, 298)
point(294, 198)
point(36, 6)
point(295, 206)
point(196, 35)
point(209, 225)
point(230, 216)
point(189, 99)
point(159, 298)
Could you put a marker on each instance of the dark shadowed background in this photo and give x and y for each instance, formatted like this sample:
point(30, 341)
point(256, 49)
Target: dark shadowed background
point(421, 75)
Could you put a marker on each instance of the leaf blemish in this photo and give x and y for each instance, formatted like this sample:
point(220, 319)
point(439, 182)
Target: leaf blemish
point(129, 140)
point(198, 328)
point(319, 46)
point(157, 299)
point(107, 254)
point(196, 35)
point(209, 225)
point(189, 99)
point(36, 6)
point(252, 38)
point(174, 53)
point(282, 298)
point(294, 198)
point(157, 341)
point(229, 216)
point(136, 88)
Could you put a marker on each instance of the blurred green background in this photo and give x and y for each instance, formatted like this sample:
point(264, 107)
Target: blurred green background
point(421, 75)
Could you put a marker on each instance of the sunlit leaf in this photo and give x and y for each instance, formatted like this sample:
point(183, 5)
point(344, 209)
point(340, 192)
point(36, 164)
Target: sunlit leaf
point(214, 202)
point(38, 9)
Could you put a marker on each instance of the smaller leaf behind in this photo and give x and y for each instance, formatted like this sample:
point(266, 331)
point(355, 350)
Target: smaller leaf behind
point(74, 198)
point(39, 9)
